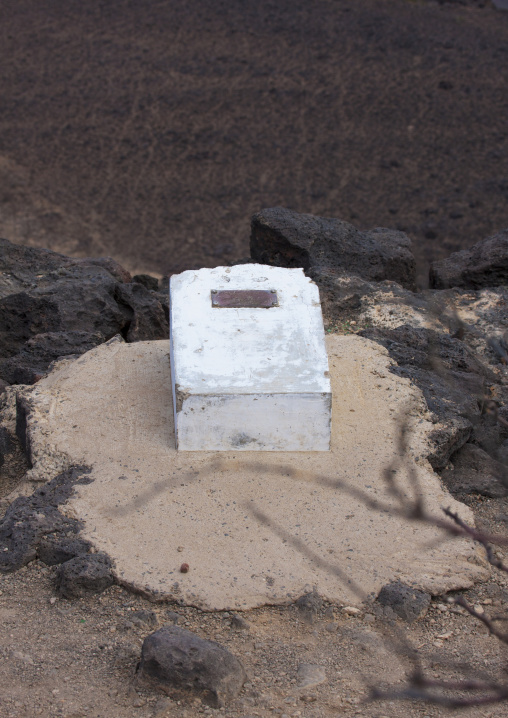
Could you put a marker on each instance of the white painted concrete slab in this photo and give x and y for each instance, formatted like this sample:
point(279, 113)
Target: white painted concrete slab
point(255, 527)
point(249, 378)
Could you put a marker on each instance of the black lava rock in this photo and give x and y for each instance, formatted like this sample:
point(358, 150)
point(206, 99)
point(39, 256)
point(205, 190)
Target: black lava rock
point(147, 281)
point(6, 443)
point(30, 518)
point(53, 550)
point(84, 575)
point(180, 663)
point(309, 605)
point(322, 245)
point(476, 472)
point(53, 306)
point(452, 379)
point(484, 265)
point(407, 602)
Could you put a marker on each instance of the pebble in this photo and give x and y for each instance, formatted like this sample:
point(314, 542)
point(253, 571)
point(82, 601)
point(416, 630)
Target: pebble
point(445, 636)
point(351, 610)
point(23, 657)
point(479, 609)
point(309, 674)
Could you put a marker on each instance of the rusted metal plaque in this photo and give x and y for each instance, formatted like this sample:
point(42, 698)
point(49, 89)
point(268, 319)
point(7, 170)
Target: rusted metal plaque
point(238, 298)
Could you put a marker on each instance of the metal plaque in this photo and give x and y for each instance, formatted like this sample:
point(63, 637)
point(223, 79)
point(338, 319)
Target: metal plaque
point(238, 298)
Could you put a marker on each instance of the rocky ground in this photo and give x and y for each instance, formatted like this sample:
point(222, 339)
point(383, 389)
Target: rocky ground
point(73, 657)
point(78, 658)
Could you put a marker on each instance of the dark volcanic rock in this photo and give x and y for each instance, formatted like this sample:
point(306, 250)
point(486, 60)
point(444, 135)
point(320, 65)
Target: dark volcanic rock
point(475, 472)
point(53, 306)
point(29, 519)
point(323, 245)
point(309, 605)
point(407, 602)
point(148, 320)
point(57, 549)
point(452, 379)
point(35, 356)
point(180, 663)
point(147, 281)
point(24, 267)
point(108, 263)
point(484, 265)
point(148, 618)
point(6, 443)
point(84, 575)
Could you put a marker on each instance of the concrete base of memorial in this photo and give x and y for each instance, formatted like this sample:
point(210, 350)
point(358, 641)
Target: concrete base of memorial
point(254, 527)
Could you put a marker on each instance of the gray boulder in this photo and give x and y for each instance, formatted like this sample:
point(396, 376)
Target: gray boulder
point(84, 575)
point(53, 550)
point(476, 472)
point(405, 601)
point(484, 265)
point(309, 605)
point(53, 306)
point(182, 664)
point(323, 245)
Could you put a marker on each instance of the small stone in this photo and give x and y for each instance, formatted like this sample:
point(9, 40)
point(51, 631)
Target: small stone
point(309, 604)
point(479, 609)
point(239, 623)
point(163, 707)
point(331, 627)
point(173, 616)
point(308, 698)
point(144, 617)
point(351, 610)
point(309, 675)
point(22, 657)
point(184, 568)
point(84, 575)
point(407, 602)
point(177, 660)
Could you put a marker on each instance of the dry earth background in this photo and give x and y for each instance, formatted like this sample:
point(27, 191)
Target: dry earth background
point(151, 131)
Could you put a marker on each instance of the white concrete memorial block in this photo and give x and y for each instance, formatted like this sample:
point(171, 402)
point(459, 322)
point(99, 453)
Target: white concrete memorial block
point(248, 360)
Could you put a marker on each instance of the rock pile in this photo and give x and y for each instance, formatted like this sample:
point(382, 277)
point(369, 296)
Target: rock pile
point(53, 306)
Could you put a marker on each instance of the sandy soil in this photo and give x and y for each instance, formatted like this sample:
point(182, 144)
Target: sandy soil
point(77, 659)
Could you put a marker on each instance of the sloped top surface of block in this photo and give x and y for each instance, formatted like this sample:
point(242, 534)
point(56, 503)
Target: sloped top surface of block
point(277, 348)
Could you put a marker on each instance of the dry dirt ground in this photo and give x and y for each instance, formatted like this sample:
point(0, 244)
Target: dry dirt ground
point(152, 130)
